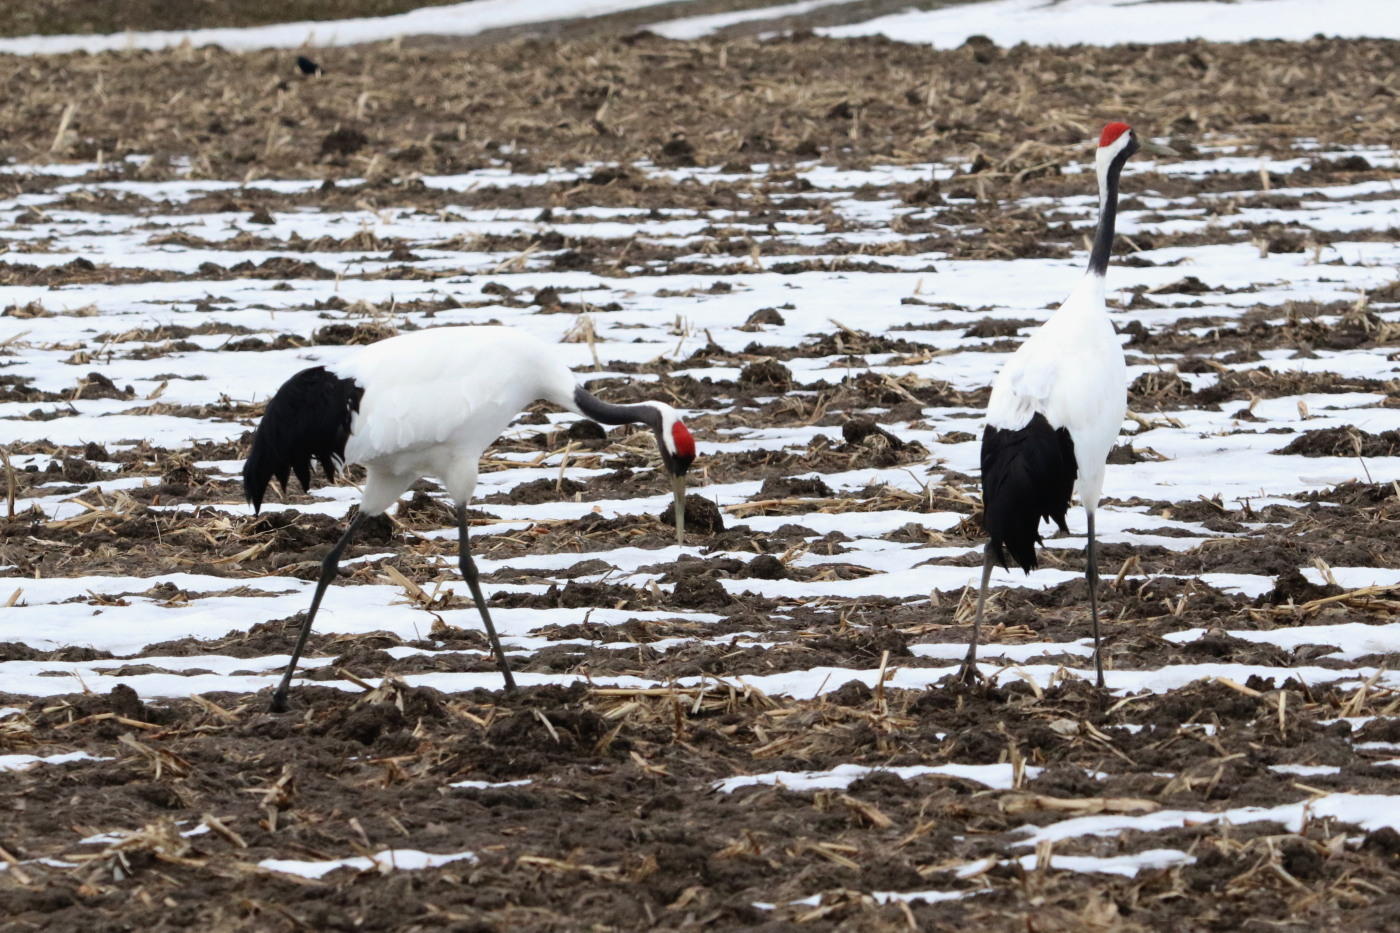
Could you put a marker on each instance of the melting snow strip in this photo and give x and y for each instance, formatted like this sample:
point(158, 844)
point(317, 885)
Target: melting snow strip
point(384, 861)
point(995, 776)
point(1369, 811)
point(24, 762)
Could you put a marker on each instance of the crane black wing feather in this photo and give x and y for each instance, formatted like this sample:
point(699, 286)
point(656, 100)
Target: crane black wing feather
point(1027, 476)
point(308, 419)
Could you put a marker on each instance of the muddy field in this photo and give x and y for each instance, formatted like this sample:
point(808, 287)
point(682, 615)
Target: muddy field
point(822, 252)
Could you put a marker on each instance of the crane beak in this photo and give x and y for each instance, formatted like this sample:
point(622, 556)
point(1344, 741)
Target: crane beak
point(678, 489)
point(1157, 149)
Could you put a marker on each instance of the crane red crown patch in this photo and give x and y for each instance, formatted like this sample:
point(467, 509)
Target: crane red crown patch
point(1111, 133)
point(680, 436)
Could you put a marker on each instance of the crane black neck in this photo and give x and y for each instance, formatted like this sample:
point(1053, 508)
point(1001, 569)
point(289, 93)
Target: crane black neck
point(1108, 212)
point(590, 406)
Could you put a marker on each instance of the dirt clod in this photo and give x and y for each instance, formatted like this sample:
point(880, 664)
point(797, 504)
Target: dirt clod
point(859, 430)
point(766, 374)
point(702, 516)
point(343, 142)
point(766, 567)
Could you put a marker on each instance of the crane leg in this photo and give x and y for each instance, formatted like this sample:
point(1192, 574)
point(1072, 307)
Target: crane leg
point(1091, 572)
point(969, 667)
point(328, 569)
point(469, 574)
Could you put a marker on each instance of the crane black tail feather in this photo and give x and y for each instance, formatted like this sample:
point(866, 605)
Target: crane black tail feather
point(1027, 477)
point(308, 419)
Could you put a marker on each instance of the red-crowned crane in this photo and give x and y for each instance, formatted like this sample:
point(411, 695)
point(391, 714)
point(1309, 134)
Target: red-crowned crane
point(428, 403)
point(1055, 411)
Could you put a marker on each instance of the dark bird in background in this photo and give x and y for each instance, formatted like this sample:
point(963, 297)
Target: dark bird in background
point(1055, 412)
point(308, 67)
point(429, 403)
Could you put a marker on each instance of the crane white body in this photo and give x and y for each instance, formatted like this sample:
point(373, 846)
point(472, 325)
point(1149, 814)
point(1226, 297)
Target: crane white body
point(1072, 371)
point(434, 401)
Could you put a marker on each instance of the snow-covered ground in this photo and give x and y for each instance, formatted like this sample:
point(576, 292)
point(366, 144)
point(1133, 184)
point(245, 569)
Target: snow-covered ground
point(458, 19)
point(1108, 22)
point(1203, 454)
point(1040, 22)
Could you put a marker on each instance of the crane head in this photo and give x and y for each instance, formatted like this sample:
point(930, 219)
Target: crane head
point(677, 447)
point(1119, 141)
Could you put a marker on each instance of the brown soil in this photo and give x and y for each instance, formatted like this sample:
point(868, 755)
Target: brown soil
point(618, 819)
point(448, 110)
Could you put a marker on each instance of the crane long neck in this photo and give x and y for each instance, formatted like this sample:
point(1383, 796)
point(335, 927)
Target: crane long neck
point(590, 406)
point(1108, 212)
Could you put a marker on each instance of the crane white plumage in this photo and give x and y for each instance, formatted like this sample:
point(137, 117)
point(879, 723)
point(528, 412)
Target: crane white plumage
point(429, 403)
point(1055, 412)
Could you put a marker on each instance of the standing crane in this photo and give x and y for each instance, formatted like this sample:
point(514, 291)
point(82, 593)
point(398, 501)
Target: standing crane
point(428, 404)
point(1055, 412)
